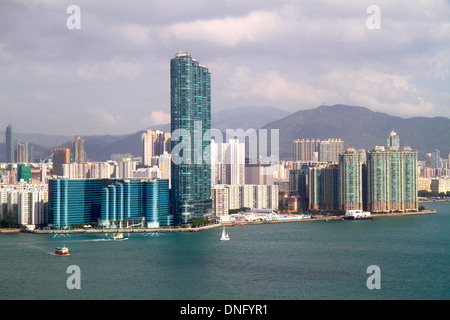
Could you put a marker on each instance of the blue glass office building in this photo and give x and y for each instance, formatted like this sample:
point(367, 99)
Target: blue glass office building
point(190, 97)
point(110, 202)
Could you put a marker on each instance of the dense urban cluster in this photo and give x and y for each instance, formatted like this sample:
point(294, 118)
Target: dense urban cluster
point(188, 176)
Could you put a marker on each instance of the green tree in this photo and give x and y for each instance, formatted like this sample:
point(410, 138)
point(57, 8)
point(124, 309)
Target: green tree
point(8, 220)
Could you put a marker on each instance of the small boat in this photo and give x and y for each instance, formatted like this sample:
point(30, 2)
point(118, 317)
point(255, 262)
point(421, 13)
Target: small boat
point(225, 235)
point(118, 236)
point(62, 251)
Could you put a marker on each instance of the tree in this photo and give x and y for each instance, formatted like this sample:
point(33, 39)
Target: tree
point(8, 220)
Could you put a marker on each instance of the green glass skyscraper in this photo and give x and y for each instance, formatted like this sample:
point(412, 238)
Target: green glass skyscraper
point(190, 110)
point(350, 180)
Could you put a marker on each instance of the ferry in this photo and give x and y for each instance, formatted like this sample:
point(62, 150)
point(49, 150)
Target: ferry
point(62, 251)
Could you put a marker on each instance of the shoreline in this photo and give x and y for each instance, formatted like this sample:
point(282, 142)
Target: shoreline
point(229, 224)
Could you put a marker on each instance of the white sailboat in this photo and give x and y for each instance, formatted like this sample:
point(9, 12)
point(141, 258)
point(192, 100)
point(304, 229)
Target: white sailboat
point(225, 235)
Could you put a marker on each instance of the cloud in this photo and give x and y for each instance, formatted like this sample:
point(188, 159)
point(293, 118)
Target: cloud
point(133, 33)
point(227, 31)
point(157, 117)
point(288, 54)
point(113, 69)
point(99, 114)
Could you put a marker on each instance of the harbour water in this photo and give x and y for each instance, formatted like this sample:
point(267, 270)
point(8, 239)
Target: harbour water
point(286, 261)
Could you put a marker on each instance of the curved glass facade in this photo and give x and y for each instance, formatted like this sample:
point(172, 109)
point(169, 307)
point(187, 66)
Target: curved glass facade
point(112, 202)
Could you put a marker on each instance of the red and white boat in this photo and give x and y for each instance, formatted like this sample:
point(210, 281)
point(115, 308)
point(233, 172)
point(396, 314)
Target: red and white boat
point(62, 251)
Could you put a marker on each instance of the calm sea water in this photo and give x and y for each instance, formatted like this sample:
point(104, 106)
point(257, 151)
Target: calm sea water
point(300, 260)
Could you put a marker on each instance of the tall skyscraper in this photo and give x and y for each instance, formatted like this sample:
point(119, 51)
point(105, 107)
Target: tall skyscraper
point(392, 179)
point(9, 144)
point(350, 180)
point(393, 140)
point(60, 156)
point(22, 152)
point(190, 110)
point(323, 187)
point(78, 150)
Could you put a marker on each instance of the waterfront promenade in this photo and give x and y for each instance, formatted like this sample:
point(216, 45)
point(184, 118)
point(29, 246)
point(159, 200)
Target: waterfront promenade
point(197, 229)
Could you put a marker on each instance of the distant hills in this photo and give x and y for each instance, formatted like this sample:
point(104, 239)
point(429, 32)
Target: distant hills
point(359, 127)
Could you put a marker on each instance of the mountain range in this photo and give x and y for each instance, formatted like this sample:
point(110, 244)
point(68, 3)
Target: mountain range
point(362, 128)
point(359, 127)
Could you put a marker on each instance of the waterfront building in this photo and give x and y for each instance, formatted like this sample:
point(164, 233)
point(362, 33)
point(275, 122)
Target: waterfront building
point(28, 202)
point(220, 200)
point(190, 100)
point(424, 184)
point(350, 180)
point(77, 150)
point(299, 182)
point(392, 179)
point(9, 137)
point(441, 184)
point(228, 197)
point(323, 187)
point(142, 203)
point(110, 202)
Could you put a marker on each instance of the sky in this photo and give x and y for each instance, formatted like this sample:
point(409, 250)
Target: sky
point(111, 75)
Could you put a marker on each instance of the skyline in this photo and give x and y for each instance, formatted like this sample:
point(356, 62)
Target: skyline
point(110, 76)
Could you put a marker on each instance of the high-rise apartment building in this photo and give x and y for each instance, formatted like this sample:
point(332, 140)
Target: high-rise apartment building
point(60, 156)
point(77, 150)
point(22, 152)
point(28, 202)
point(350, 195)
point(228, 162)
point(9, 137)
point(154, 143)
point(392, 179)
point(226, 197)
point(323, 187)
point(322, 150)
point(190, 101)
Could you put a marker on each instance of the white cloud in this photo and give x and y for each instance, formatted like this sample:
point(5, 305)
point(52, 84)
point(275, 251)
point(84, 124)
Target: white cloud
point(157, 117)
point(99, 114)
point(135, 34)
point(227, 31)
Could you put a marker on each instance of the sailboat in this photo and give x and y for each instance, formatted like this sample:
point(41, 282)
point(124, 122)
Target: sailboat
point(225, 235)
